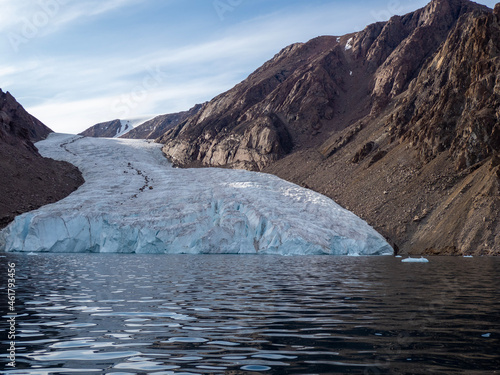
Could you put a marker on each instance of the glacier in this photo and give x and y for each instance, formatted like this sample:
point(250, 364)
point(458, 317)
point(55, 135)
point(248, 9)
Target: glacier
point(134, 201)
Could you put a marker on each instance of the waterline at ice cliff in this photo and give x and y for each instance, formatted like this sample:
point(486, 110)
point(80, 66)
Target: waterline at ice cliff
point(134, 201)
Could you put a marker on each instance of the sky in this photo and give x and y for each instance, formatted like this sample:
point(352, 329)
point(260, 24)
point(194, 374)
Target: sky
point(75, 63)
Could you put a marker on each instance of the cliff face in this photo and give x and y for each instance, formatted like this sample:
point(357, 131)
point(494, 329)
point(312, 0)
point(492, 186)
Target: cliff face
point(27, 180)
point(425, 169)
point(157, 126)
point(398, 122)
point(454, 102)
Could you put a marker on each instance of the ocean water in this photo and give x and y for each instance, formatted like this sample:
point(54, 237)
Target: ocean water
point(181, 314)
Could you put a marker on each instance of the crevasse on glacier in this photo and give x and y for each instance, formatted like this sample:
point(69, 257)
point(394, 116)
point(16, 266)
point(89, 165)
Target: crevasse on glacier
point(134, 201)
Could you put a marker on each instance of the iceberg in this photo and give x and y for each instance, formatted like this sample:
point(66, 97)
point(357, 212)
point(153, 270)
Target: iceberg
point(415, 260)
point(134, 201)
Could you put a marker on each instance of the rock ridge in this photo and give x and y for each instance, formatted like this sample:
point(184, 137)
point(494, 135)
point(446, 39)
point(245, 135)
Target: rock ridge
point(157, 126)
point(28, 181)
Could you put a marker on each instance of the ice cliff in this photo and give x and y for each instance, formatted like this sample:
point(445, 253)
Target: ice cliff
point(134, 201)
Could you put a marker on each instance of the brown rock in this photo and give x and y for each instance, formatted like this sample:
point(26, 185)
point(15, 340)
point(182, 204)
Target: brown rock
point(28, 181)
point(496, 11)
point(159, 125)
point(364, 152)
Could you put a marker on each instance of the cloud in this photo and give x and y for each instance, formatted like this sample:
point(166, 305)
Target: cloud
point(35, 18)
point(72, 92)
point(70, 115)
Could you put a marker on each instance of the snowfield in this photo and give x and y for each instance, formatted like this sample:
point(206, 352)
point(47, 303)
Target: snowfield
point(134, 201)
point(128, 125)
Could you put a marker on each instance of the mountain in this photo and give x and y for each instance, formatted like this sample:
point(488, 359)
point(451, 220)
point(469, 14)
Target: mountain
point(114, 128)
point(398, 122)
point(28, 181)
point(139, 128)
point(157, 126)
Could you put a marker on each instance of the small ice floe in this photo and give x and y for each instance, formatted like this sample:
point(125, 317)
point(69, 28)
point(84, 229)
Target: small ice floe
point(468, 256)
point(350, 73)
point(348, 46)
point(415, 260)
point(486, 335)
point(399, 256)
point(32, 254)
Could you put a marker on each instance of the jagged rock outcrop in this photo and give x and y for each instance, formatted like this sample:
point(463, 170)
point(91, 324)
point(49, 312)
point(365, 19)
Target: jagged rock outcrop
point(415, 37)
point(253, 146)
point(157, 126)
point(28, 181)
point(454, 102)
point(398, 122)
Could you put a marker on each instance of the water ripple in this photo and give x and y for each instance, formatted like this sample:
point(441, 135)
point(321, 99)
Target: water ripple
point(81, 355)
point(174, 315)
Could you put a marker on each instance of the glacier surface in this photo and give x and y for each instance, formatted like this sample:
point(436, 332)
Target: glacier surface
point(134, 201)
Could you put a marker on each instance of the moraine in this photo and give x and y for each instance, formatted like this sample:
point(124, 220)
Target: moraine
point(134, 201)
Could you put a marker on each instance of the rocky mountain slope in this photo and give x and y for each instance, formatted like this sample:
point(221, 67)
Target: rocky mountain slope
point(107, 129)
point(115, 128)
point(140, 128)
point(157, 126)
point(399, 123)
point(28, 181)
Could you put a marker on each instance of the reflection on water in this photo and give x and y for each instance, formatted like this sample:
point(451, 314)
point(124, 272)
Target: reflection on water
point(126, 314)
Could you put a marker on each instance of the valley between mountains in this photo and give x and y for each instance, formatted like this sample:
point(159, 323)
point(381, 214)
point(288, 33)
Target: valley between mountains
point(133, 201)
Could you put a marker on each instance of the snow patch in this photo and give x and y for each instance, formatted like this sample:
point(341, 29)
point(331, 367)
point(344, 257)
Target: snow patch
point(349, 44)
point(124, 128)
point(128, 125)
point(133, 201)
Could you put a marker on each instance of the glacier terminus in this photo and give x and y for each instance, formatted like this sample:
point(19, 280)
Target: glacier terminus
point(134, 201)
